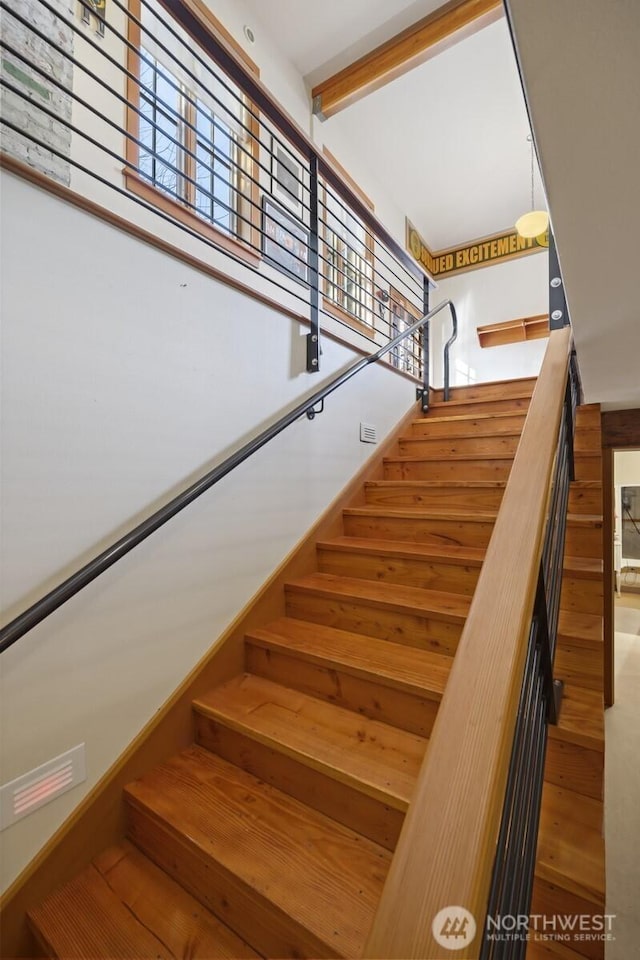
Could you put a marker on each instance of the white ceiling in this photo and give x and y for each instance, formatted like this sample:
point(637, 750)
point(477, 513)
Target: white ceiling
point(321, 38)
point(448, 139)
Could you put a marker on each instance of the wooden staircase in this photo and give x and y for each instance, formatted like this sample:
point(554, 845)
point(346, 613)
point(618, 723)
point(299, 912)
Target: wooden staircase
point(273, 833)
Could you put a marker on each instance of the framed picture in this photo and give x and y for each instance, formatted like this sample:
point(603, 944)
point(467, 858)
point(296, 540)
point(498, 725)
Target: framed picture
point(286, 178)
point(285, 241)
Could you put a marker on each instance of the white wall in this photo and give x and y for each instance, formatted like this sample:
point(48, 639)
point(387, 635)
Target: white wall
point(125, 373)
point(517, 288)
point(627, 468)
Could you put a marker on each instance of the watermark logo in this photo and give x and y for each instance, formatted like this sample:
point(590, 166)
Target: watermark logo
point(567, 928)
point(453, 927)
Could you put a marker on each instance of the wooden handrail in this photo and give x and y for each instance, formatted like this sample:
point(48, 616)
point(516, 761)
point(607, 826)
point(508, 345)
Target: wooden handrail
point(446, 849)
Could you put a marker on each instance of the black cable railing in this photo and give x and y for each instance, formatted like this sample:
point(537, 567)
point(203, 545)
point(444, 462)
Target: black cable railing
point(539, 705)
point(309, 234)
point(309, 407)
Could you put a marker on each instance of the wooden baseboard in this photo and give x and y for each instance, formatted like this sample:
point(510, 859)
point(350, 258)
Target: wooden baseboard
point(98, 821)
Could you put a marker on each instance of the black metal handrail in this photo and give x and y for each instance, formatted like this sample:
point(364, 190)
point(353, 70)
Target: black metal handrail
point(73, 584)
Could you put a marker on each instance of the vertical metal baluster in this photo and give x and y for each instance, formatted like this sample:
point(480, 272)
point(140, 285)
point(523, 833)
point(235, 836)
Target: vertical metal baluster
point(313, 337)
point(423, 392)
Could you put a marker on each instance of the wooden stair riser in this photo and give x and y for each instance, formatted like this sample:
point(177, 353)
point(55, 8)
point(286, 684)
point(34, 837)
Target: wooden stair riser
point(579, 663)
point(588, 417)
point(523, 386)
point(431, 427)
point(551, 900)
point(360, 812)
point(491, 445)
point(472, 407)
point(574, 767)
point(588, 466)
point(570, 843)
point(412, 572)
point(475, 446)
point(414, 629)
point(583, 539)
point(587, 441)
point(446, 469)
point(400, 708)
point(417, 529)
point(440, 497)
point(581, 595)
point(585, 500)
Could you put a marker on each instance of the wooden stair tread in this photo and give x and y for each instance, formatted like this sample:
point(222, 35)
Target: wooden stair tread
point(489, 435)
point(454, 553)
point(407, 668)
point(580, 626)
point(463, 457)
point(592, 521)
point(494, 455)
point(589, 521)
point(452, 404)
point(586, 568)
point(123, 906)
point(581, 718)
point(275, 846)
point(421, 513)
point(444, 606)
point(570, 843)
point(488, 417)
point(439, 484)
point(372, 757)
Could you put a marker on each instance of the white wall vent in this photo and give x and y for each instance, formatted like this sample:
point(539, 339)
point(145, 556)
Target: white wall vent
point(368, 433)
point(32, 790)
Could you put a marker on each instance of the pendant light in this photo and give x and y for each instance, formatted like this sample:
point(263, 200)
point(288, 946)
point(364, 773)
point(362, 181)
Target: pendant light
point(535, 222)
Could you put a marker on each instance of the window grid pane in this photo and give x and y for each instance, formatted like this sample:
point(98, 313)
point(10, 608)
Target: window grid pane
point(166, 107)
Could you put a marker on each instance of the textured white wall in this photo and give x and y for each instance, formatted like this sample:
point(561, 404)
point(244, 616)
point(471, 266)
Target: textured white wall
point(493, 294)
point(125, 373)
point(38, 89)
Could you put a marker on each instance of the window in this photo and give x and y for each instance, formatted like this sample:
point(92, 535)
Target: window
point(197, 140)
point(348, 251)
point(349, 270)
point(407, 355)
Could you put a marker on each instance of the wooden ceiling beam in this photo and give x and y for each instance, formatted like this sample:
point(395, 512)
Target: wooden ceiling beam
point(441, 29)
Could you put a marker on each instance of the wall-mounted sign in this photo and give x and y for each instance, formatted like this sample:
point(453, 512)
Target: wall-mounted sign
point(470, 256)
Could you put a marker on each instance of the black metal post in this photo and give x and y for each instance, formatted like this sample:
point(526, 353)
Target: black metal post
point(313, 337)
point(447, 348)
point(423, 392)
